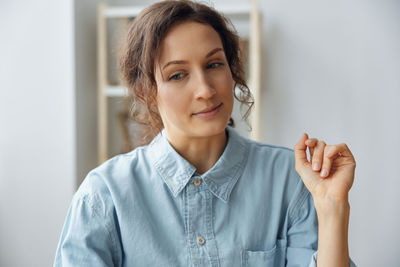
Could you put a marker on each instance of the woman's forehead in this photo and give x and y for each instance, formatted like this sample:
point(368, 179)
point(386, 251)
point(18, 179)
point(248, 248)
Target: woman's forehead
point(187, 40)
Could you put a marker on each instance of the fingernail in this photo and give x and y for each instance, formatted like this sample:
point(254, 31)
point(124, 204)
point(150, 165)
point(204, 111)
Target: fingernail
point(324, 173)
point(316, 166)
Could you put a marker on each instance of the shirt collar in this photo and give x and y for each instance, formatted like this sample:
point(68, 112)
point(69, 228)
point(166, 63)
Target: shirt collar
point(177, 171)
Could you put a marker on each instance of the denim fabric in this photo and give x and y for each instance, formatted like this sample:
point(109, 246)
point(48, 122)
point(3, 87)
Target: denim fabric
point(149, 207)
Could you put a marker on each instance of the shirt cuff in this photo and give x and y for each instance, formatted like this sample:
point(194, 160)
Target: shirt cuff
point(313, 262)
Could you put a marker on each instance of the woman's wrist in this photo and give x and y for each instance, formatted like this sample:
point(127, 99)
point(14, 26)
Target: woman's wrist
point(332, 208)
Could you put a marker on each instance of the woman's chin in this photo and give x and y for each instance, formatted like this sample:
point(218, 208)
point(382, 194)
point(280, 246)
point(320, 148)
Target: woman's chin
point(209, 128)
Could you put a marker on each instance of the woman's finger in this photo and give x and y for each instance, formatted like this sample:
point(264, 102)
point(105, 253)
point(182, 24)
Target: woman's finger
point(330, 153)
point(339, 150)
point(300, 153)
point(311, 143)
point(318, 155)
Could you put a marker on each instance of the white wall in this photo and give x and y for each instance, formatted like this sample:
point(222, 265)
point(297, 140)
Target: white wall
point(85, 31)
point(37, 128)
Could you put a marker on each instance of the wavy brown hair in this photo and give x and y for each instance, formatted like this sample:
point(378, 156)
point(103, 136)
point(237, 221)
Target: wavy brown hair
point(145, 34)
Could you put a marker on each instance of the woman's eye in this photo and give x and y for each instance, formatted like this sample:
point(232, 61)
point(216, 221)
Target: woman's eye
point(177, 76)
point(214, 65)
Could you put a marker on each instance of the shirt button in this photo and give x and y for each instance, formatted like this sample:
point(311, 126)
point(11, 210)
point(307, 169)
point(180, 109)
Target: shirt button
point(200, 240)
point(197, 182)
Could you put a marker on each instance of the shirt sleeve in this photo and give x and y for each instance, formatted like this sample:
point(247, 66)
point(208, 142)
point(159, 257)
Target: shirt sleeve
point(302, 233)
point(314, 261)
point(89, 236)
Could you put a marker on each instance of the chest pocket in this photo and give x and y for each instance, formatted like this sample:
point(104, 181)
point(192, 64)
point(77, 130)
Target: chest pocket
point(274, 257)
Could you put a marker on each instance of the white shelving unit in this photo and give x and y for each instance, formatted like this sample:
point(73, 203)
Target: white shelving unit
point(106, 90)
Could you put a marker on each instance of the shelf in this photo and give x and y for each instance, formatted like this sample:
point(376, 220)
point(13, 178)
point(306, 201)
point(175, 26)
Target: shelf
point(115, 91)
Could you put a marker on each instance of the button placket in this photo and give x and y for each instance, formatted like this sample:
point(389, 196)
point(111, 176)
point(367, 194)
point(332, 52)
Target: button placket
point(201, 239)
point(196, 210)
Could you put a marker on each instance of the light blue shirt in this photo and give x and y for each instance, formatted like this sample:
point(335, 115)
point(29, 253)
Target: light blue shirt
point(149, 207)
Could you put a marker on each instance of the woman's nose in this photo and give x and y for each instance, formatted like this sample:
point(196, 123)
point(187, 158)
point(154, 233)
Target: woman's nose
point(204, 88)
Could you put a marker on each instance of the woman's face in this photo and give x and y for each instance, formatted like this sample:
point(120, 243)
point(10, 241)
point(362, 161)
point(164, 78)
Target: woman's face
point(194, 82)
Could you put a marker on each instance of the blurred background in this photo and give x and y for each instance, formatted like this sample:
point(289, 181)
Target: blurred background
point(329, 68)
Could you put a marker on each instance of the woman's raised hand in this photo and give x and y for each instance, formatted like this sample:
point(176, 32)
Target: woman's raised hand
point(330, 172)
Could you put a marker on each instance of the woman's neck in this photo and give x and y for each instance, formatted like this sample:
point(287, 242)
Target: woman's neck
point(201, 152)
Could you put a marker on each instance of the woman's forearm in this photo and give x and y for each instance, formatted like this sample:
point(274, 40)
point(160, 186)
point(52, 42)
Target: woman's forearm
point(333, 222)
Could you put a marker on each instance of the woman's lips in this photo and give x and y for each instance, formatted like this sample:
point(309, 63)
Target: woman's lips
point(209, 113)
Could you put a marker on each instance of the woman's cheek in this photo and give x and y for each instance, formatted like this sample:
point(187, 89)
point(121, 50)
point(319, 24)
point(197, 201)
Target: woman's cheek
point(175, 101)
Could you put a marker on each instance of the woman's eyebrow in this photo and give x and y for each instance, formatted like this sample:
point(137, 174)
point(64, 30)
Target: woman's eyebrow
point(212, 52)
point(175, 62)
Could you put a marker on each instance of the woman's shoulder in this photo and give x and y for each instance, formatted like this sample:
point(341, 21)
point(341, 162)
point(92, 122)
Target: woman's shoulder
point(114, 174)
point(123, 162)
point(273, 165)
point(267, 150)
point(260, 149)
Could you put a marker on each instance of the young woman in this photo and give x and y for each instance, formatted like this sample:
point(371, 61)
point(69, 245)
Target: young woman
point(199, 194)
